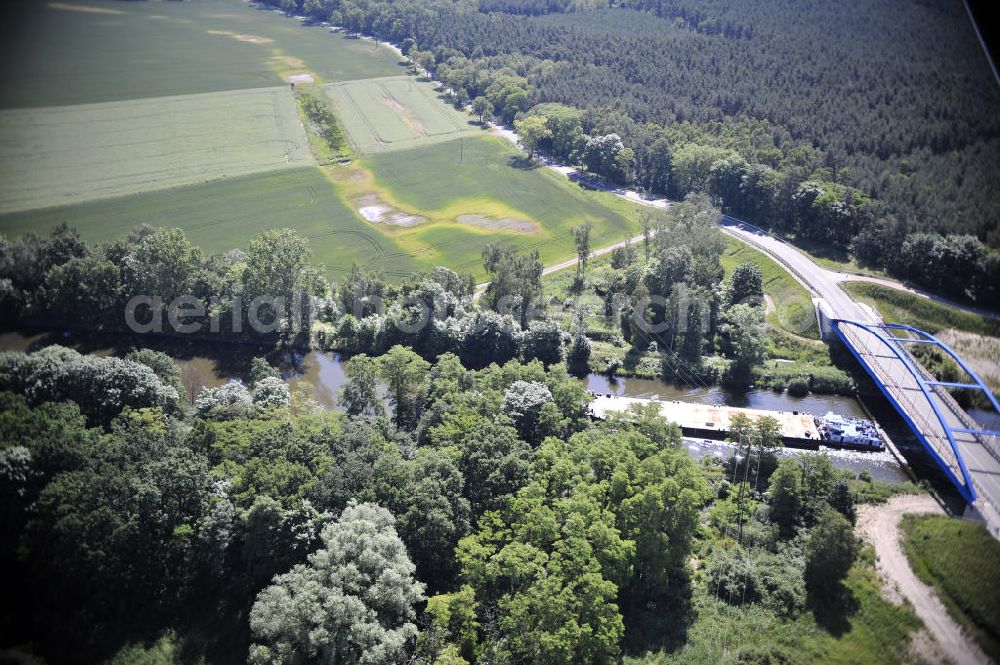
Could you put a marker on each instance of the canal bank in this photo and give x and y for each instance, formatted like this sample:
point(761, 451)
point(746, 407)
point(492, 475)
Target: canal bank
point(319, 376)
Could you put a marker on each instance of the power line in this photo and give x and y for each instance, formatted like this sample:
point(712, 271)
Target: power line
point(725, 533)
point(756, 479)
point(982, 41)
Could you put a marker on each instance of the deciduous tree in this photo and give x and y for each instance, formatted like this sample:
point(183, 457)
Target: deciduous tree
point(352, 603)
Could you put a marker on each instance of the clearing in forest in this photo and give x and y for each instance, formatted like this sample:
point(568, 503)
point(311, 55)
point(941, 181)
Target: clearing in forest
point(70, 154)
point(395, 113)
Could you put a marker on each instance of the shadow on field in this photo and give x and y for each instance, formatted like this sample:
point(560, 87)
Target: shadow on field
point(523, 162)
point(833, 609)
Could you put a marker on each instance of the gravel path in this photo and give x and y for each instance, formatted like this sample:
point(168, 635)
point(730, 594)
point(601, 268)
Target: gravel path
point(880, 524)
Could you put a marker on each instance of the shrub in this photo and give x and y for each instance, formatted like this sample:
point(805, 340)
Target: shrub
point(799, 386)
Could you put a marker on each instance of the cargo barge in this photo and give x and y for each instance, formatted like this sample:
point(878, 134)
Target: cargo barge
point(711, 421)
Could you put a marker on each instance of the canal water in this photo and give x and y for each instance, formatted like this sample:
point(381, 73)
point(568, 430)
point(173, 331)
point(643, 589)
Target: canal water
point(768, 400)
point(881, 465)
point(320, 376)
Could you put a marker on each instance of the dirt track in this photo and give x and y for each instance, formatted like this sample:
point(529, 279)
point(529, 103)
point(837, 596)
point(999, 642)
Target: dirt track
point(880, 525)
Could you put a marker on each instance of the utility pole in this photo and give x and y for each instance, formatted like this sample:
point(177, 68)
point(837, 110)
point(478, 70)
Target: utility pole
point(746, 473)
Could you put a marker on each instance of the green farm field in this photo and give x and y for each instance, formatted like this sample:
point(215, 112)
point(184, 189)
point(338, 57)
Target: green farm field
point(68, 154)
point(475, 190)
point(396, 113)
point(185, 126)
point(70, 52)
point(223, 215)
point(324, 205)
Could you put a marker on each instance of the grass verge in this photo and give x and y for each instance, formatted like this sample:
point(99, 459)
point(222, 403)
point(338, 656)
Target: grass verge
point(793, 309)
point(873, 632)
point(976, 338)
point(959, 560)
point(898, 306)
point(832, 257)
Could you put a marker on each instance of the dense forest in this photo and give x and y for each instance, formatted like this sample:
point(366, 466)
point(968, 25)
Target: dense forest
point(855, 128)
point(447, 516)
point(460, 507)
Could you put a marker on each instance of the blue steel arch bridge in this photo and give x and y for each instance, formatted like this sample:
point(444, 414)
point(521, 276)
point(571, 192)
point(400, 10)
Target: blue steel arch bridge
point(967, 452)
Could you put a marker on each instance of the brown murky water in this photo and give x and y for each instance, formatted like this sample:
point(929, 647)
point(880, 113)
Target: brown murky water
point(320, 376)
point(317, 375)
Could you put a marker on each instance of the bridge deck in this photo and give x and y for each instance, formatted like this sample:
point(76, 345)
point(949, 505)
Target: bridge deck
point(970, 459)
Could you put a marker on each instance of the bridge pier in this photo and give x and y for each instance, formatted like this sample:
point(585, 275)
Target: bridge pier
point(825, 319)
point(982, 511)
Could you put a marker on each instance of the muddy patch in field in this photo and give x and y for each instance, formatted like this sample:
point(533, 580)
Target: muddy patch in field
point(287, 60)
point(412, 123)
point(498, 224)
point(376, 211)
point(249, 39)
point(253, 39)
point(301, 77)
point(391, 102)
point(350, 174)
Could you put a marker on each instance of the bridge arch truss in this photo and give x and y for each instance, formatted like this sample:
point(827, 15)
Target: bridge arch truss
point(968, 453)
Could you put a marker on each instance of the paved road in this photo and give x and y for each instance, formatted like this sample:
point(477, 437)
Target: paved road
point(822, 282)
point(891, 283)
point(569, 263)
point(899, 373)
point(984, 460)
point(982, 454)
point(816, 278)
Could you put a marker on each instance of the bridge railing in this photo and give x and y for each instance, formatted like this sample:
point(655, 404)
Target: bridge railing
point(857, 337)
point(990, 440)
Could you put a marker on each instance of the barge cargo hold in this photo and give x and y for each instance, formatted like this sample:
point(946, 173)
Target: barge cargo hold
point(709, 421)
